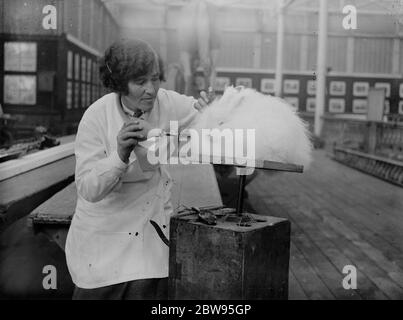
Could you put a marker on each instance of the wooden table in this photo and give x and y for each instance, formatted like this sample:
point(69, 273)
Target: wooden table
point(194, 185)
point(30, 180)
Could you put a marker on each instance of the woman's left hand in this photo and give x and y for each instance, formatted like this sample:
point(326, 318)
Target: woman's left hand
point(204, 100)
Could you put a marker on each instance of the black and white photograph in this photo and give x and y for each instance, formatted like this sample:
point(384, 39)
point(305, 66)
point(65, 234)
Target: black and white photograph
point(337, 88)
point(360, 106)
point(268, 86)
point(360, 89)
point(200, 156)
point(291, 86)
point(337, 105)
point(244, 82)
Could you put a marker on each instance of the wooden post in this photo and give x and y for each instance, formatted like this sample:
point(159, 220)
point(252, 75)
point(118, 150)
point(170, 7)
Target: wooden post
point(280, 49)
point(321, 68)
point(396, 50)
point(257, 50)
point(350, 55)
point(396, 56)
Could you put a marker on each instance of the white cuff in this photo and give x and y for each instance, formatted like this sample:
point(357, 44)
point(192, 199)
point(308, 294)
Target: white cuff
point(116, 162)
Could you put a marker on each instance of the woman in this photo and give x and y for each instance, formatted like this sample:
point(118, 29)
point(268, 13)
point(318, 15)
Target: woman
point(112, 249)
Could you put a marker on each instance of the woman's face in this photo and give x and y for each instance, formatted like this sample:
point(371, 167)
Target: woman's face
point(143, 91)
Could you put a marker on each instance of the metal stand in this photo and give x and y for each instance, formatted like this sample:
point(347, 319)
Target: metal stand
point(241, 193)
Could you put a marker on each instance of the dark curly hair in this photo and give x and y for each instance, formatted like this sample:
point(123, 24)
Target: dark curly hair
point(125, 60)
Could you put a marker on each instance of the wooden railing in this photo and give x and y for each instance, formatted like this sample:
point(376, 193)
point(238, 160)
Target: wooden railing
point(388, 140)
point(345, 132)
point(384, 139)
point(27, 182)
point(370, 146)
point(373, 147)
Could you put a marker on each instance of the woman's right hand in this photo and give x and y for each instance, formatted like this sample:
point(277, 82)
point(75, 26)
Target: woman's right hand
point(128, 138)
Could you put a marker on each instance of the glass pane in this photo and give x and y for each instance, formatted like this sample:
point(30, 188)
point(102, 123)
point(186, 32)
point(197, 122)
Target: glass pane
point(20, 56)
point(20, 89)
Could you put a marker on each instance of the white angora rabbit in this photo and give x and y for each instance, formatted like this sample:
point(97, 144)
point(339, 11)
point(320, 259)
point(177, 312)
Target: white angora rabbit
point(280, 134)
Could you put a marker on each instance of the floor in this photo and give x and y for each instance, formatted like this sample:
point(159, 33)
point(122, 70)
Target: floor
point(339, 217)
point(23, 256)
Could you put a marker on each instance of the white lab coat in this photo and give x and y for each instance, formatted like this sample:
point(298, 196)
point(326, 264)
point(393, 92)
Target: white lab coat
point(111, 239)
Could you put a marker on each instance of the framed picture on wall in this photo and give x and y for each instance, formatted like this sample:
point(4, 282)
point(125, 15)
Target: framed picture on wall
point(310, 104)
point(293, 101)
point(360, 106)
point(386, 109)
point(291, 86)
point(360, 89)
point(221, 83)
point(246, 82)
point(268, 86)
point(311, 87)
point(384, 85)
point(337, 105)
point(337, 88)
point(69, 65)
point(20, 89)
